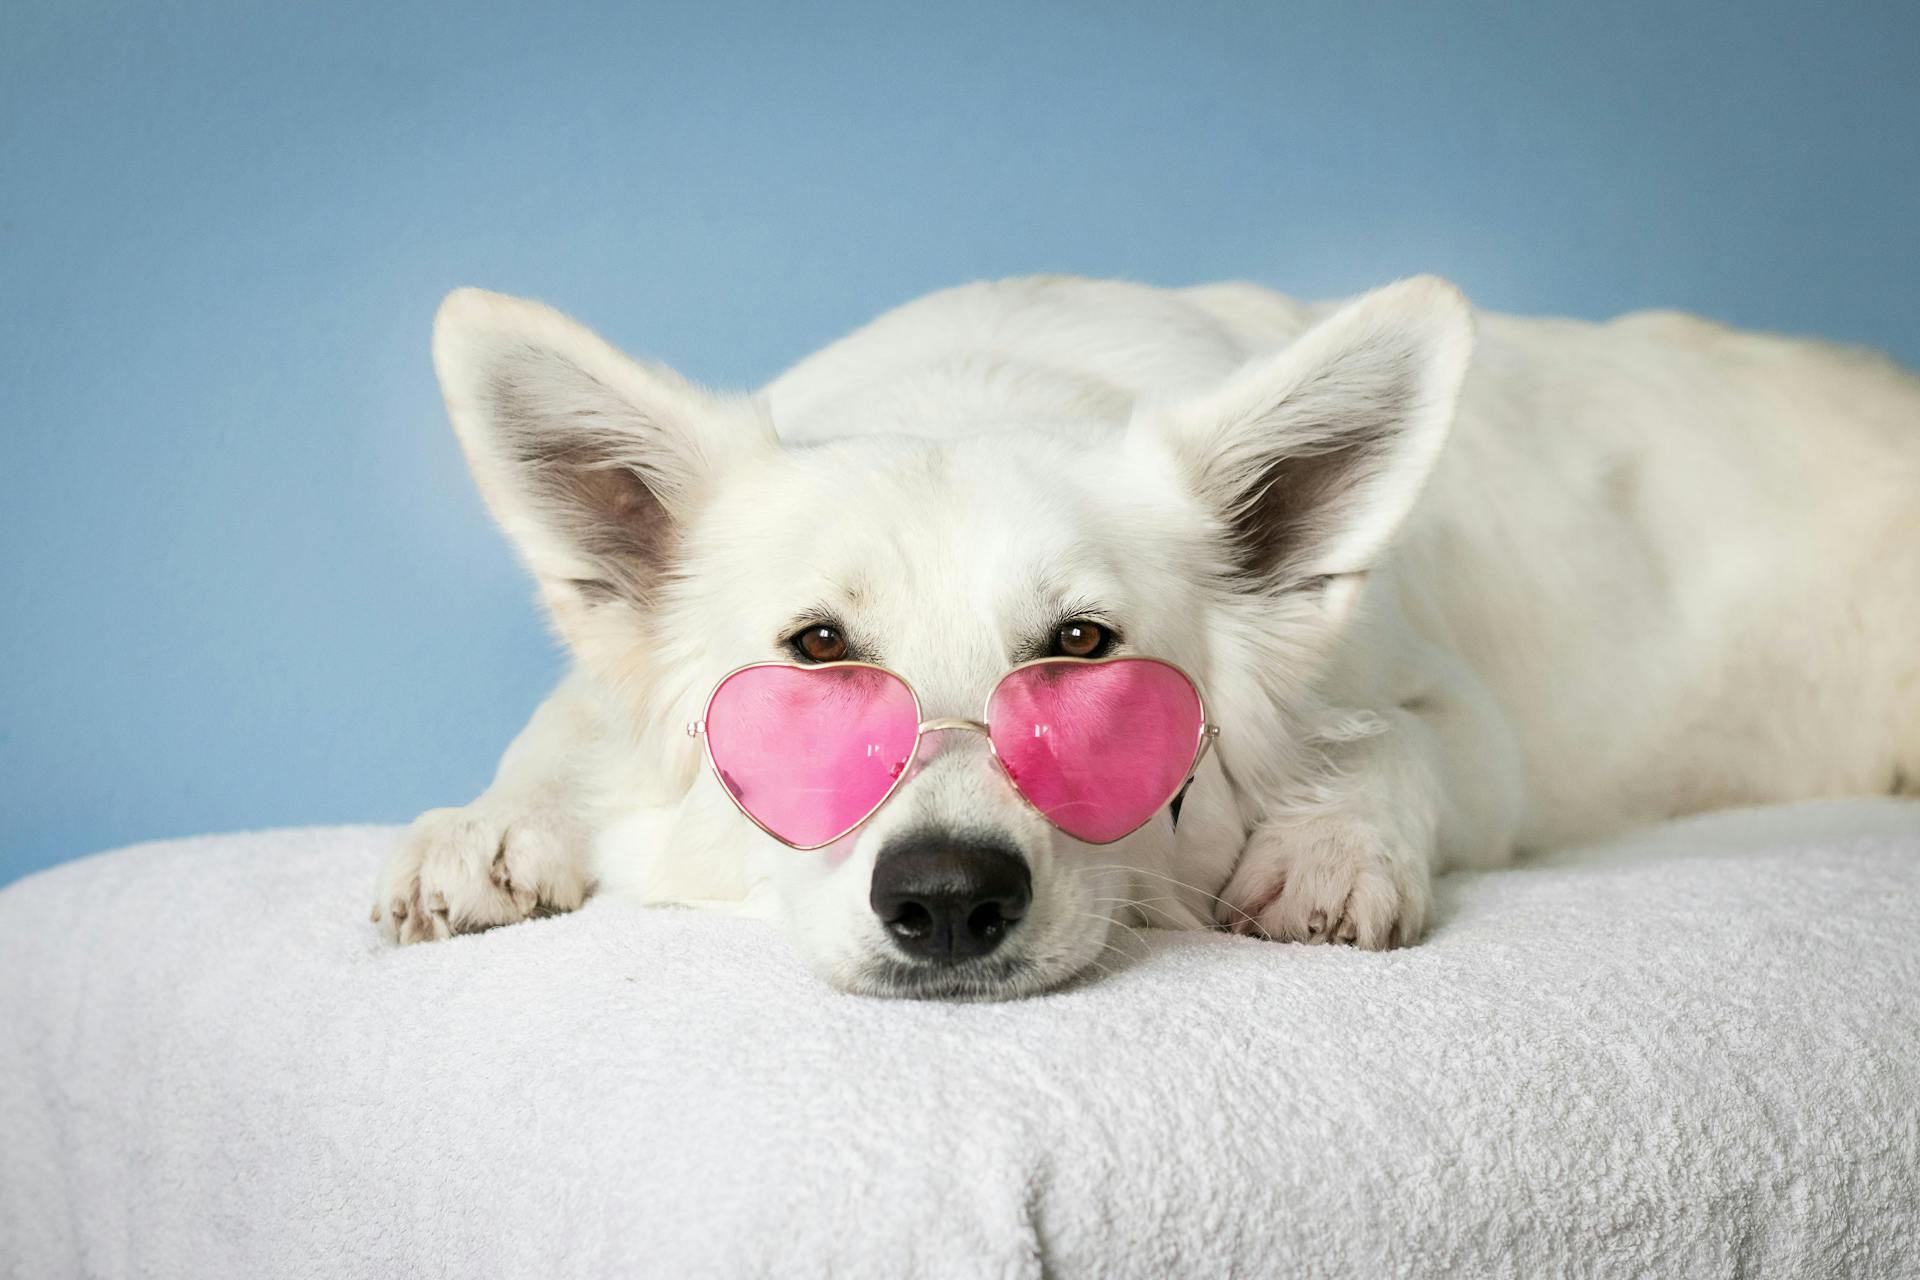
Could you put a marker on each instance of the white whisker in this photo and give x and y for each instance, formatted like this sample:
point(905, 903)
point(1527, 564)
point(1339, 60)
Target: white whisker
point(1177, 883)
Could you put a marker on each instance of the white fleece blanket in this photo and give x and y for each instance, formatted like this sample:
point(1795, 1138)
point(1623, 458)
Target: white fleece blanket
point(1693, 1053)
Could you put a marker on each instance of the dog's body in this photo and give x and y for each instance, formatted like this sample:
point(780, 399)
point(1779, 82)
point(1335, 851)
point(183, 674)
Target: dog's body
point(1660, 566)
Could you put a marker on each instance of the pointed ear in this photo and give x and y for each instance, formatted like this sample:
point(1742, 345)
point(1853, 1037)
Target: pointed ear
point(1312, 457)
point(590, 460)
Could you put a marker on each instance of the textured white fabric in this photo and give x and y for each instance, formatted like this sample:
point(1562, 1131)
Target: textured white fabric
point(1692, 1053)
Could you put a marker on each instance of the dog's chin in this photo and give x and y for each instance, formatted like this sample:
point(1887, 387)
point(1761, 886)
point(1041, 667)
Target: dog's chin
point(991, 978)
point(980, 980)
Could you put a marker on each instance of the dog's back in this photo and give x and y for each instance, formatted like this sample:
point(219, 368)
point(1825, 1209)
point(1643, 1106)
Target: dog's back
point(1686, 560)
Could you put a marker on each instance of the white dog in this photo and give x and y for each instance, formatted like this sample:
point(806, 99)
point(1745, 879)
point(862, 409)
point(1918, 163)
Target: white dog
point(1647, 568)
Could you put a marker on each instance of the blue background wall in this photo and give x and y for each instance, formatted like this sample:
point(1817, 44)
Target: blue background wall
point(243, 578)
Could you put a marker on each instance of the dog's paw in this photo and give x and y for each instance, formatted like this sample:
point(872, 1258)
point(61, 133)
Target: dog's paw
point(464, 870)
point(1328, 878)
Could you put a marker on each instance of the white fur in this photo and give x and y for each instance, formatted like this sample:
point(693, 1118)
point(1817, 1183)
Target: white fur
point(1658, 566)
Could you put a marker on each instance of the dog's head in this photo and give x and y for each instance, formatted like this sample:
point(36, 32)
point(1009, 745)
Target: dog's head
point(675, 537)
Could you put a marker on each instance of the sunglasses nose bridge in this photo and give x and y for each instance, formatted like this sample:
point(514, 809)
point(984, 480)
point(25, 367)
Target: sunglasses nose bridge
point(933, 737)
point(942, 723)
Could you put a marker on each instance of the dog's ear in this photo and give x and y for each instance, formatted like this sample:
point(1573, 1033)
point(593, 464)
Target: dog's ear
point(590, 460)
point(1311, 458)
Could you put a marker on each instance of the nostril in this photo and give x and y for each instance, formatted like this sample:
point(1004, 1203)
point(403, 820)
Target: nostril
point(910, 920)
point(987, 922)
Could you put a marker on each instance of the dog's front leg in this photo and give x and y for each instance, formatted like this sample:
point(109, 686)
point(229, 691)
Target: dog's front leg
point(519, 850)
point(1437, 787)
point(1354, 865)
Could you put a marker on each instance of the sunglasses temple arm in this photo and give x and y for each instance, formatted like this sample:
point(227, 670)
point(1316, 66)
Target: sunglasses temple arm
point(1199, 758)
point(1206, 745)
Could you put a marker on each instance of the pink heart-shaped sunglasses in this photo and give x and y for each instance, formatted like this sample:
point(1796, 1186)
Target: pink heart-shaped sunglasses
point(1096, 746)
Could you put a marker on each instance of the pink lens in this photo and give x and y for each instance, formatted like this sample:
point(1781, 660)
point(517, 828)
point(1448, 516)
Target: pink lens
point(809, 753)
point(1098, 748)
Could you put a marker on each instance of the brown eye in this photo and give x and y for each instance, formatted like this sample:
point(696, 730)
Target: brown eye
point(1080, 639)
point(820, 644)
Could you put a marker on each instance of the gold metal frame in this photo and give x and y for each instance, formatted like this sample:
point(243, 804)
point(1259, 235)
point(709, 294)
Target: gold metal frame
point(1208, 732)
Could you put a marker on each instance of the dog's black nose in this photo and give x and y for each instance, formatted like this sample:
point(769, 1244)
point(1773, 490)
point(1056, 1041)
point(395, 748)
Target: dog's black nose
point(947, 898)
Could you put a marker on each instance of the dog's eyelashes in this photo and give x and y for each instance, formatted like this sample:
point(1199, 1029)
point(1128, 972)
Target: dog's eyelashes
point(822, 642)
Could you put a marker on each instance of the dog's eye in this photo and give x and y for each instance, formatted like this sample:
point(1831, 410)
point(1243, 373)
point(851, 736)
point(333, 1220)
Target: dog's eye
point(1081, 639)
point(819, 644)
